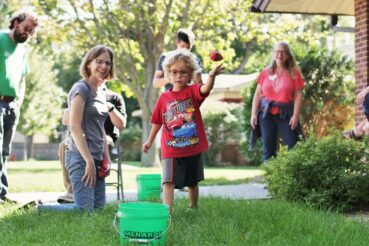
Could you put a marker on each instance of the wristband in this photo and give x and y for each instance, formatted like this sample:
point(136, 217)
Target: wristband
point(112, 108)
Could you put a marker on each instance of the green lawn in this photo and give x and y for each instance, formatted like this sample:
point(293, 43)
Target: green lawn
point(47, 175)
point(216, 222)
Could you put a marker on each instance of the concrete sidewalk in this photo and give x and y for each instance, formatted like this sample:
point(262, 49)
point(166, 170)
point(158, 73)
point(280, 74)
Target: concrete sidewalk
point(241, 191)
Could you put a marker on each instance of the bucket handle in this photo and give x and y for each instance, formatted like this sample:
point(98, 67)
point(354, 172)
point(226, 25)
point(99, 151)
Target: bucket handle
point(144, 240)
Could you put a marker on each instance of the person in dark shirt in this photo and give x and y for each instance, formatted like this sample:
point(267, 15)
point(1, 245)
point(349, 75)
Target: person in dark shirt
point(184, 40)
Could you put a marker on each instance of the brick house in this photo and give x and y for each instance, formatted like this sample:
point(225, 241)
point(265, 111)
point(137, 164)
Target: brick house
point(334, 8)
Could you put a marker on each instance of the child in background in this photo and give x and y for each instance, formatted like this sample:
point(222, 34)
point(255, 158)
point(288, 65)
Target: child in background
point(183, 135)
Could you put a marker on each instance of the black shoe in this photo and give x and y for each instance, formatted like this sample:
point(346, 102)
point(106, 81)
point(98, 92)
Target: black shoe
point(5, 199)
point(114, 154)
point(30, 204)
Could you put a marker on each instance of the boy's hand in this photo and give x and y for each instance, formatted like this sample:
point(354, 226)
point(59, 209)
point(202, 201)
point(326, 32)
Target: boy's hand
point(146, 146)
point(217, 70)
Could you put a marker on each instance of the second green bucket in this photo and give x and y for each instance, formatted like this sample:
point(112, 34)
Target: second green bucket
point(149, 187)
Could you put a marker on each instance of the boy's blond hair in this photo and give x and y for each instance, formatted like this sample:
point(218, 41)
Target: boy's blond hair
point(181, 55)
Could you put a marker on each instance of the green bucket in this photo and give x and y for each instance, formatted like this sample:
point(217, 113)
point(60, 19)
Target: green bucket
point(143, 223)
point(148, 186)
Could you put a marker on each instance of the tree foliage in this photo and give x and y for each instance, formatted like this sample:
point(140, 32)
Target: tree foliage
point(221, 126)
point(42, 107)
point(329, 91)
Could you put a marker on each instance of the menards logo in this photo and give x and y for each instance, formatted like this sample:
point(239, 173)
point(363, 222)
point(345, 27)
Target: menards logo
point(142, 235)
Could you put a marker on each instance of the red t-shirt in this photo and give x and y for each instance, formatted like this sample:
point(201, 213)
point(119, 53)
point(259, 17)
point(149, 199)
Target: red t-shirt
point(279, 87)
point(183, 132)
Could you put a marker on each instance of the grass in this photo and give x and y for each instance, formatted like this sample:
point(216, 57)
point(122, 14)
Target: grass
point(47, 175)
point(216, 222)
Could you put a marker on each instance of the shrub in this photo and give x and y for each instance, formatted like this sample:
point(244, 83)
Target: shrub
point(221, 126)
point(329, 173)
point(254, 156)
point(329, 91)
point(130, 140)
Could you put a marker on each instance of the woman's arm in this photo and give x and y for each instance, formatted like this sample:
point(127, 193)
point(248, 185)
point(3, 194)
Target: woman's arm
point(159, 80)
point(106, 150)
point(76, 116)
point(65, 118)
point(118, 120)
point(154, 130)
point(255, 106)
point(297, 104)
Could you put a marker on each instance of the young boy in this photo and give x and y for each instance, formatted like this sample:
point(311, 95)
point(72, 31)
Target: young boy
point(183, 135)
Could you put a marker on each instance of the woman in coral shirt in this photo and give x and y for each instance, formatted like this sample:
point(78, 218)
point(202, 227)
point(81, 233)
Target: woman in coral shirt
point(277, 101)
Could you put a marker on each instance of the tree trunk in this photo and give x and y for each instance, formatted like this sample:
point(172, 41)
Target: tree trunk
point(148, 103)
point(151, 158)
point(245, 58)
point(29, 140)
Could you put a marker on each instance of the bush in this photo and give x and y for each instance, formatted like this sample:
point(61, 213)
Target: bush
point(329, 92)
point(221, 126)
point(329, 173)
point(130, 140)
point(254, 156)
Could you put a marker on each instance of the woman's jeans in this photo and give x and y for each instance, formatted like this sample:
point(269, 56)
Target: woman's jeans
point(270, 126)
point(85, 198)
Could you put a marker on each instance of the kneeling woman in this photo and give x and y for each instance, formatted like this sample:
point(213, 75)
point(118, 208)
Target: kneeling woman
point(87, 147)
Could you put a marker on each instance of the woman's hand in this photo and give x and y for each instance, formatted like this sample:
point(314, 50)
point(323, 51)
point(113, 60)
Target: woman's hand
point(294, 121)
point(90, 174)
point(254, 121)
point(361, 96)
point(146, 146)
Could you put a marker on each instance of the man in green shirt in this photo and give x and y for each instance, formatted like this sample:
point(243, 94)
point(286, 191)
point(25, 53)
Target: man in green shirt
point(13, 68)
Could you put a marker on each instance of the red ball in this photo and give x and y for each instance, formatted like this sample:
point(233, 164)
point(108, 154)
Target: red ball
point(215, 55)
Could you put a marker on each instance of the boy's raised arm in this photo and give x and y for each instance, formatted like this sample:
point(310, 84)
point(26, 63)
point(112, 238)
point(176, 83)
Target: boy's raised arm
point(206, 88)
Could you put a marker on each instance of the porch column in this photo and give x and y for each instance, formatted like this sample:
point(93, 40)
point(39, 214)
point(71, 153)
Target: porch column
point(361, 51)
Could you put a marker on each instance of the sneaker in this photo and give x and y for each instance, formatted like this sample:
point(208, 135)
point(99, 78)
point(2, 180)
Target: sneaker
point(5, 199)
point(30, 204)
point(114, 153)
point(67, 198)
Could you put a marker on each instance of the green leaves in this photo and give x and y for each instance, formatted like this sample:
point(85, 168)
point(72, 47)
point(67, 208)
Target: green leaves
point(327, 173)
point(42, 108)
